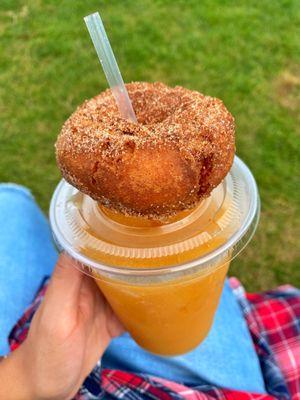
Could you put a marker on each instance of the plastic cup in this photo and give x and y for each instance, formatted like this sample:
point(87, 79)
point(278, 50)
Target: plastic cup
point(163, 281)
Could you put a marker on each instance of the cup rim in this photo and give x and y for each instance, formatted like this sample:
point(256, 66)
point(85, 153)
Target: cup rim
point(252, 216)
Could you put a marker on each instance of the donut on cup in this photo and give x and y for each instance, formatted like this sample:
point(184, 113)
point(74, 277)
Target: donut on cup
point(181, 148)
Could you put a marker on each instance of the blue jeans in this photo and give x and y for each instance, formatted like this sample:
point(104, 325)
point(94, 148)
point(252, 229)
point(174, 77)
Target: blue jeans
point(226, 358)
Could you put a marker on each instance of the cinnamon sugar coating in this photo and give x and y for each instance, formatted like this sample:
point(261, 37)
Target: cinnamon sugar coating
point(181, 148)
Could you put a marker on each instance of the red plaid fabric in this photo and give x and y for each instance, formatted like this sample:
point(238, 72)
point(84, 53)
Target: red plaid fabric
point(119, 383)
point(273, 319)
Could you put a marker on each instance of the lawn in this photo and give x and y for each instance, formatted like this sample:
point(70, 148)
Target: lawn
point(245, 52)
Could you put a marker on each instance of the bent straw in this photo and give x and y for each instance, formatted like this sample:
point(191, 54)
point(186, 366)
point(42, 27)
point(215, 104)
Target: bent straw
point(109, 64)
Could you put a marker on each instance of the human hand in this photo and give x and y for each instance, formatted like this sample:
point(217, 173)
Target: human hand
point(68, 334)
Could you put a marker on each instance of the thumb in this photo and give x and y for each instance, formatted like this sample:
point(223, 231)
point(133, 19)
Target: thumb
point(64, 288)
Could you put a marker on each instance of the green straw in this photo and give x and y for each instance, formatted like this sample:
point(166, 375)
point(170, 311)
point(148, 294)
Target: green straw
point(109, 64)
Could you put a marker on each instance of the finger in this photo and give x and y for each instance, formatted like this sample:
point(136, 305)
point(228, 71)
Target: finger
point(87, 298)
point(64, 287)
point(88, 286)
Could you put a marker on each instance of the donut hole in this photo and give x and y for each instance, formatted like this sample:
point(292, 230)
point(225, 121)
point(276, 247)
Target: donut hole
point(154, 106)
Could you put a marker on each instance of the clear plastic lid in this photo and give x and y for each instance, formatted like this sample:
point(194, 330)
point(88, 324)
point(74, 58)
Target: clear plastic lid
point(221, 224)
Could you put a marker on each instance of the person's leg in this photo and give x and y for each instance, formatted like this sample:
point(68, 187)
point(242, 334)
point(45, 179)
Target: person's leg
point(226, 358)
point(26, 255)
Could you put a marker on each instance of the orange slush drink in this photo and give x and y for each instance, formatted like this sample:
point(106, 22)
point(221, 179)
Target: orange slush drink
point(164, 281)
point(168, 317)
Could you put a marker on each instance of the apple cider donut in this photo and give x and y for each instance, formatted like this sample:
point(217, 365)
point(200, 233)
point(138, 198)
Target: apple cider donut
point(181, 148)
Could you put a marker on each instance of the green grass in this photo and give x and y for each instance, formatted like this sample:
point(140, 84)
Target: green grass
point(245, 52)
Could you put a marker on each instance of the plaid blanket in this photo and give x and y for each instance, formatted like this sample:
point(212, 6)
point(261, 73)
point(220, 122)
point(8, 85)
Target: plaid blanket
point(273, 319)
